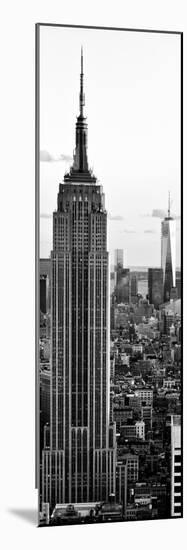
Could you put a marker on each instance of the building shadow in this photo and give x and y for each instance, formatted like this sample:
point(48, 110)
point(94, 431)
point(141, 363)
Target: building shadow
point(29, 515)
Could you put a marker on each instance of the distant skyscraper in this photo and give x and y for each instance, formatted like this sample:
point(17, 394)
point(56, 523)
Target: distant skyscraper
point(44, 401)
point(118, 264)
point(122, 289)
point(133, 287)
point(112, 311)
point(118, 257)
point(178, 283)
point(80, 464)
point(112, 282)
point(168, 253)
point(155, 286)
point(45, 284)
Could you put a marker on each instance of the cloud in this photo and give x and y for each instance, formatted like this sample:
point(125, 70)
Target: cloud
point(149, 231)
point(67, 158)
point(45, 156)
point(129, 231)
point(163, 214)
point(116, 217)
point(45, 216)
point(158, 213)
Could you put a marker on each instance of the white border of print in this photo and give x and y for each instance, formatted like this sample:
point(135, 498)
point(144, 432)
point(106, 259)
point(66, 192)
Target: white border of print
point(18, 498)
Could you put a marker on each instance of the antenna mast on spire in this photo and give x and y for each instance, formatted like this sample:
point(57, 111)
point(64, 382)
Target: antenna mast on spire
point(169, 204)
point(82, 102)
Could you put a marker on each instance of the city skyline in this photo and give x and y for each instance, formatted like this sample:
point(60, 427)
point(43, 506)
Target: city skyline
point(110, 358)
point(145, 77)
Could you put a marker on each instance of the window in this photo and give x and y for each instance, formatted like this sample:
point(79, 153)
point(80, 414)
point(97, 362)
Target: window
point(177, 510)
point(177, 468)
point(177, 489)
point(177, 499)
point(177, 459)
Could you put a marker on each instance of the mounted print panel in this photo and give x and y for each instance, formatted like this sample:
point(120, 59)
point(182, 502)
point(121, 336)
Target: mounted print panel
point(108, 265)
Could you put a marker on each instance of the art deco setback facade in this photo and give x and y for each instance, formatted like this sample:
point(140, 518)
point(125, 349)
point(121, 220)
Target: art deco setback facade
point(80, 464)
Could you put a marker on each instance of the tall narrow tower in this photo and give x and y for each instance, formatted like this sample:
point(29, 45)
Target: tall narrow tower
point(168, 252)
point(79, 465)
point(173, 423)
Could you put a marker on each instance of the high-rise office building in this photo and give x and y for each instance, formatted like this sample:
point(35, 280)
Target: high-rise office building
point(118, 265)
point(178, 283)
point(146, 416)
point(123, 287)
point(112, 282)
point(44, 288)
point(80, 463)
point(133, 287)
point(168, 253)
point(118, 257)
point(174, 423)
point(122, 278)
point(112, 311)
point(45, 284)
point(155, 286)
point(44, 401)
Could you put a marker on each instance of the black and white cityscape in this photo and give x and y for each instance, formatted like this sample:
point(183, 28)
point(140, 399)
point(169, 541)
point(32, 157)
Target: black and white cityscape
point(110, 361)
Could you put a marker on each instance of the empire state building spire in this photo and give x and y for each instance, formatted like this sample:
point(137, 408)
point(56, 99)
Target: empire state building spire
point(80, 170)
point(82, 98)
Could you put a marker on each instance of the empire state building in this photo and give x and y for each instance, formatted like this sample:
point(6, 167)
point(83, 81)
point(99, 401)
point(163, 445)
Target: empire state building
point(79, 465)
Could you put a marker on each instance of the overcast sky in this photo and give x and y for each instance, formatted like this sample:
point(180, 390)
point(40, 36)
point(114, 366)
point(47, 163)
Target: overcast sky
point(132, 93)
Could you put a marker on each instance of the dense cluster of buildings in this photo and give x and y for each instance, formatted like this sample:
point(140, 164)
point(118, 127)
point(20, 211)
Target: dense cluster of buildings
point(110, 384)
point(145, 371)
point(146, 405)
